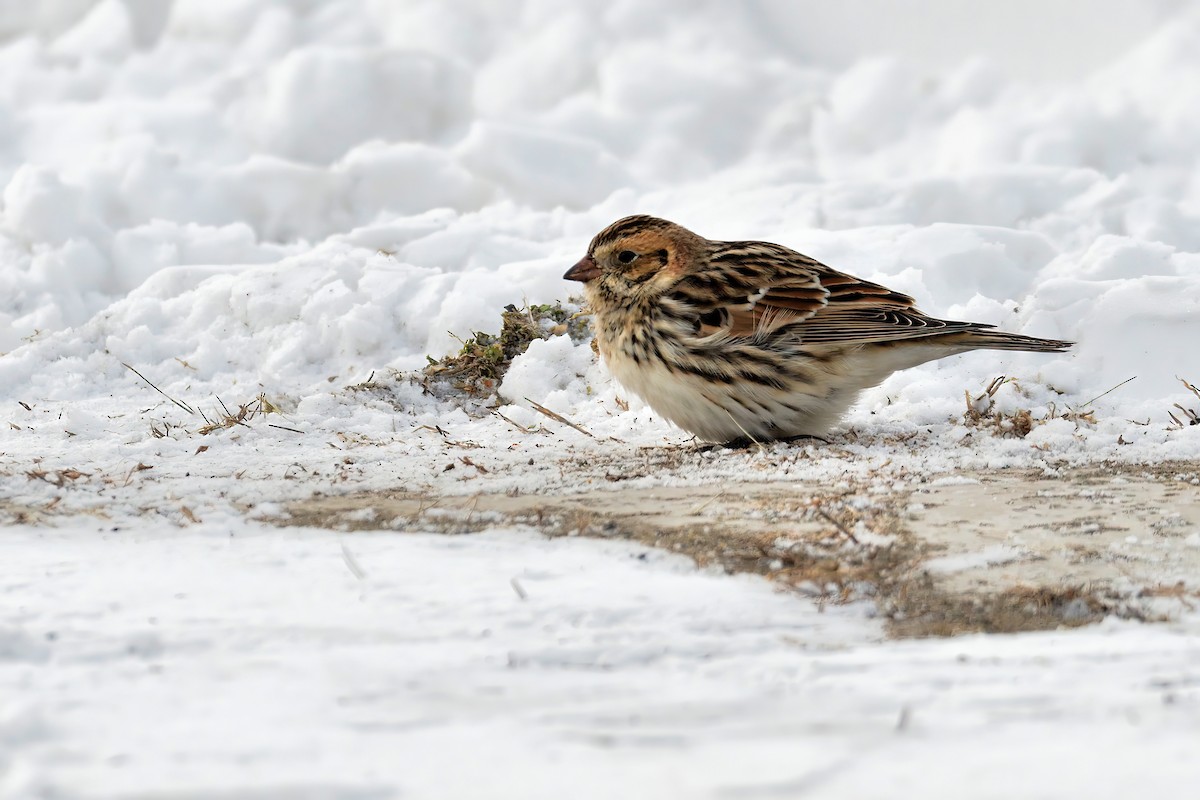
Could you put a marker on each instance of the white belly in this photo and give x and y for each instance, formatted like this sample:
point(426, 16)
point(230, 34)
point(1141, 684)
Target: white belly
point(720, 412)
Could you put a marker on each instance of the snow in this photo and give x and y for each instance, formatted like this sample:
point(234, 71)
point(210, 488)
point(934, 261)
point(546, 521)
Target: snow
point(294, 199)
point(186, 661)
point(997, 554)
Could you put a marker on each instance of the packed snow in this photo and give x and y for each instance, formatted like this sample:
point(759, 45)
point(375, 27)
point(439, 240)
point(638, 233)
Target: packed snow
point(205, 201)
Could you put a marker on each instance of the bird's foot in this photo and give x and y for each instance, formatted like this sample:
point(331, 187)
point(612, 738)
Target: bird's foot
point(804, 437)
point(743, 443)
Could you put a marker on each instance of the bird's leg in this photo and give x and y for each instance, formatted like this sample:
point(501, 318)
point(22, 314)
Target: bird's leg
point(733, 444)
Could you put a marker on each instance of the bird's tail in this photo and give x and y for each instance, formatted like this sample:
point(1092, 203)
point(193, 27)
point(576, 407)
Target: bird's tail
point(984, 339)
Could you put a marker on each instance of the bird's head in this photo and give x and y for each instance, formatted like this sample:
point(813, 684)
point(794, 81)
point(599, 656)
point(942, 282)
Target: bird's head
point(638, 258)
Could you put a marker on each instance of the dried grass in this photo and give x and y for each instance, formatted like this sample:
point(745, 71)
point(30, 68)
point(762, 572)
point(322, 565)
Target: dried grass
point(1188, 416)
point(480, 364)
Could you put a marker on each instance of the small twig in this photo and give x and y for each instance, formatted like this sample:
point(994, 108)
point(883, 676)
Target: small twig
point(283, 428)
point(707, 503)
point(557, 417)
point(1193, 417)
point(842, 528)
point(1113, 389)
point(516, 425)
point(182, 405)
point(479, 467)
point(139, 468)
point(746, 432)
point(233, 419)
point(436, 429)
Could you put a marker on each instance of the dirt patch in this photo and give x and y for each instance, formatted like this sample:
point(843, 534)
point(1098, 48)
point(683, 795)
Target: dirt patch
point(991, 552)
point(791, 533)
point(1075, 548)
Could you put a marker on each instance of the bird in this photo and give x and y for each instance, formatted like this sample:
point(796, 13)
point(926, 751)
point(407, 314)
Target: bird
point(744, 342)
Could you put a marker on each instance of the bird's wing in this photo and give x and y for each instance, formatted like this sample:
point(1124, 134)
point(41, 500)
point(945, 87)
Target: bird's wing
point(757, 289)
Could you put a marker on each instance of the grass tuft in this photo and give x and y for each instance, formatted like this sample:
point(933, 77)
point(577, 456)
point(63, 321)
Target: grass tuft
point(259, 406)
point(480, 364)
point(981, 411)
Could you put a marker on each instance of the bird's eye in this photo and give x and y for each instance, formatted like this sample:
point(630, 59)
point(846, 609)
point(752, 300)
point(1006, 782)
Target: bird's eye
point(626, 256)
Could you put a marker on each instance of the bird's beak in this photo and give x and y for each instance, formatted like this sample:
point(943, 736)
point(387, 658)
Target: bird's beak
point(584, 271)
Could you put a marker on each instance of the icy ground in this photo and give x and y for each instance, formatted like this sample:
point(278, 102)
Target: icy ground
point(304, 200)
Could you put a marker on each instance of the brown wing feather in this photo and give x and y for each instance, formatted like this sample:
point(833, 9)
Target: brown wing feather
point(757, 289)
point(731, 290)
point(864, 325)
point(858, 311)
point(845, 289)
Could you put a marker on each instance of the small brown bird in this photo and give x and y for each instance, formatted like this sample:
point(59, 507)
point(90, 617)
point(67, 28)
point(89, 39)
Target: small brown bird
point(749, 341)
